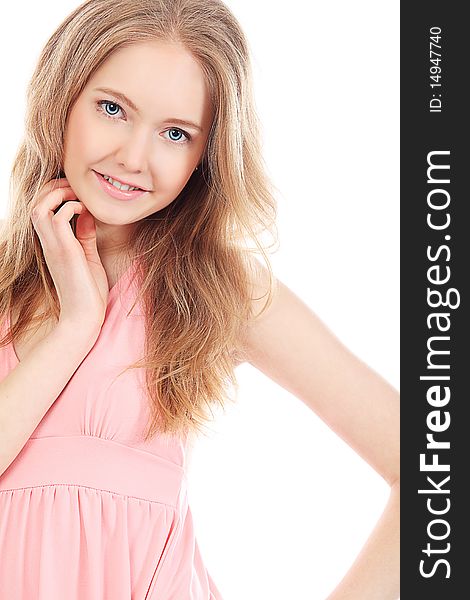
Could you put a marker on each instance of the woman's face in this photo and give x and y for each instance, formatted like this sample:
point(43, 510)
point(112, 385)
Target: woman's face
point(140, 141)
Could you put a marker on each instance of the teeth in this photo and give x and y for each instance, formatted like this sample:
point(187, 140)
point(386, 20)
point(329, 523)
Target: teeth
point(120, 186)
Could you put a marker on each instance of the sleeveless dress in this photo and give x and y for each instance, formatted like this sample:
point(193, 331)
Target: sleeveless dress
point(88, 510)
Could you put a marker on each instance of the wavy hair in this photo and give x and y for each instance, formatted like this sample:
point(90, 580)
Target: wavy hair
point(195, 258)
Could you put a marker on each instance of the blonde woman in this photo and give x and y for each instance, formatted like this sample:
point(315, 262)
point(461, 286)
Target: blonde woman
point(129, 292)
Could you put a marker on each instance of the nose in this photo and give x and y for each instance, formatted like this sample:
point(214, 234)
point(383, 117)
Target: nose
point(133, 152)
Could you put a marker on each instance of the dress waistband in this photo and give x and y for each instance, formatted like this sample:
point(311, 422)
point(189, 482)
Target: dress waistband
point(97, 463)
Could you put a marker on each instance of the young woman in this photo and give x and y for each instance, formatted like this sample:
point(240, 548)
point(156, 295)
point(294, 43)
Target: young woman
point(128, 295)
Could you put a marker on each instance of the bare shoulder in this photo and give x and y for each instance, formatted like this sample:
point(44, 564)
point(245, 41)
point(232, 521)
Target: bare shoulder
point(286, 329)
point(264, 290)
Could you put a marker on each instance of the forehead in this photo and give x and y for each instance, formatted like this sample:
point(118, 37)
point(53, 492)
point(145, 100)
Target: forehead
point(159, 77)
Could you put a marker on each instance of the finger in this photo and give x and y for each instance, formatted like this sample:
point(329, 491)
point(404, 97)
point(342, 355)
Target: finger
point(61, 220)
point(42, 214)
point(52, 201)
point(61, 223)
point(50, 186)
point(86, 234)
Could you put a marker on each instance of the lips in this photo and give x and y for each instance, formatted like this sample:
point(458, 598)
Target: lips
point(116, 193)
point(123, 182)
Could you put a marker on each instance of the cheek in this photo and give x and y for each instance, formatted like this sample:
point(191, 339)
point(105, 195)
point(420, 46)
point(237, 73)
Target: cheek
point(79, 138)
point(178, 172)
point(173, 182)
point(170, 179)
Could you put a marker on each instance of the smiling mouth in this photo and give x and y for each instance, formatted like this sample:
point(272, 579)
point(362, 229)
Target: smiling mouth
point(138, 188)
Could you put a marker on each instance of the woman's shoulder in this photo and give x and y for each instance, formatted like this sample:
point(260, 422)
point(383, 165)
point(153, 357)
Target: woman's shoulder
point(263, 286)
point(263, 289)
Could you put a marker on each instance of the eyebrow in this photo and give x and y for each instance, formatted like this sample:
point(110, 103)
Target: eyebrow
point(129, 102)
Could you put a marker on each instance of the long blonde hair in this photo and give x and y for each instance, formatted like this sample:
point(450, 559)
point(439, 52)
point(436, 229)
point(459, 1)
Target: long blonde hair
point(195, 255)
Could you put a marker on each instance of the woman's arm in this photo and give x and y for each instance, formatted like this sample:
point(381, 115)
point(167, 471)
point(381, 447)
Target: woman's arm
point(295, 349)
point(30, 389)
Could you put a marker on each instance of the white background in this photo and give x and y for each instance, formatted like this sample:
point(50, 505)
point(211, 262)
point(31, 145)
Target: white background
point(281, 504)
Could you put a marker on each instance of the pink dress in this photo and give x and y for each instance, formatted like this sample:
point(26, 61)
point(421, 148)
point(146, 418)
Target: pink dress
point(88, 510)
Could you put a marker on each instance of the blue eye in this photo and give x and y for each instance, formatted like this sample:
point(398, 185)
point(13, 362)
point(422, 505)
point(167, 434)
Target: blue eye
point(108, 103)
point(179, 131)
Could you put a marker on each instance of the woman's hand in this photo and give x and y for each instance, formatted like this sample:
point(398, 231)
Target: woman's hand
point(73, 260)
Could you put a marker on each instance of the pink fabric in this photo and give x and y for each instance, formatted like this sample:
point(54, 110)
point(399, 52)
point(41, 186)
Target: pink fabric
point(88, 510)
